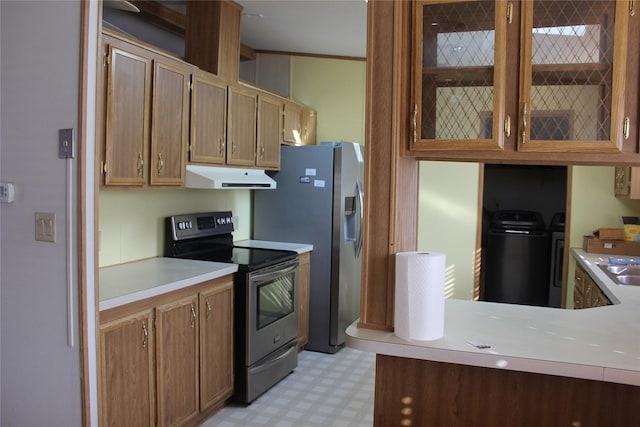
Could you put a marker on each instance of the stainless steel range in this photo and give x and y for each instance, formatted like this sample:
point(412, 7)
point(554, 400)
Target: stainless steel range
point(265, 297)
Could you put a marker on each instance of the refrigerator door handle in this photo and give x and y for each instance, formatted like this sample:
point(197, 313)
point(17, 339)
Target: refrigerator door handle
point(360, 213)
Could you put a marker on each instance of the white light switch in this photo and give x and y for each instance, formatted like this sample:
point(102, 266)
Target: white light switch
point(45, 227)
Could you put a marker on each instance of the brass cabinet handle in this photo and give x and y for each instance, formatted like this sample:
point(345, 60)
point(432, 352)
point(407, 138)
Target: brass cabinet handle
point(160, 163)
point(524, 123)
point(625, 128)
point(208, 308)
point(193, 316)
point(507, 126)
point(222, 146)
point(632, 7)
point(145, 335)
point(415, 123)
point(140, 164)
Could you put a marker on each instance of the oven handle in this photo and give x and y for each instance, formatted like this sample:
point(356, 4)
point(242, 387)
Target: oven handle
point(274, 272)
point(272, 362)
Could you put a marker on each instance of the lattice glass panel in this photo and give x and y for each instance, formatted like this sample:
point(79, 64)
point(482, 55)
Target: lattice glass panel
point(572, 56)
point(458, 70)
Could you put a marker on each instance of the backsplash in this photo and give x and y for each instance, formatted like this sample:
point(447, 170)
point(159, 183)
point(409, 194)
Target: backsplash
point(131, 222)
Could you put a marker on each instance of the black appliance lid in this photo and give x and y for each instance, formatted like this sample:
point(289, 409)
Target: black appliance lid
point(517, 219)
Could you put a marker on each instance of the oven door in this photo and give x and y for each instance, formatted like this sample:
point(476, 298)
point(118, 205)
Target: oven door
point(272, 311)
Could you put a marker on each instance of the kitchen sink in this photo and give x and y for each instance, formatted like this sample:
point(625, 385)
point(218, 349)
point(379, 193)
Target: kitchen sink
point(622, 274)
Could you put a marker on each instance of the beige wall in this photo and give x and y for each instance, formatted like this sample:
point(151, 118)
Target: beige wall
point(593, 205)
point(447, 219)
point(335, 89)
point(131, 222)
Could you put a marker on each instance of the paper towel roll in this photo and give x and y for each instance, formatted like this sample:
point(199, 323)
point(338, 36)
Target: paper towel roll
point(419, 297)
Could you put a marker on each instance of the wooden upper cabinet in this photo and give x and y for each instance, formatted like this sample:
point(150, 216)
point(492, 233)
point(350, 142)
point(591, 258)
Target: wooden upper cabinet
point(212, 37)
point(146, 116)
point(170, 122)
point(569, 79)
point(241, 126)
point(459, 68)
point(269, 129)
point(573, 67)
point(128, 89)
point(208, 119)
point(309, 125)
point(291, 123)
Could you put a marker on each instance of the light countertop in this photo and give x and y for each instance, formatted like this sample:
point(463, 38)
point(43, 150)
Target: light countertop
point(125, 283)
point(300, 248)
point(601, 343)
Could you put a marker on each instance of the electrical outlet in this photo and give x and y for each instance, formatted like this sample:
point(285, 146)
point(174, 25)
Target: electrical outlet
point(46, 227)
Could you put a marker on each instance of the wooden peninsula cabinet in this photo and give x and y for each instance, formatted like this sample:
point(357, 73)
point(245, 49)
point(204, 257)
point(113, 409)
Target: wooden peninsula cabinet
point(586, 293)
point(167, 360)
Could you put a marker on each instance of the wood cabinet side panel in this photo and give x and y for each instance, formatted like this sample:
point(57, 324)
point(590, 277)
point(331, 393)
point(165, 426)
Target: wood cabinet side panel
point(423, 393)
point(304, 278)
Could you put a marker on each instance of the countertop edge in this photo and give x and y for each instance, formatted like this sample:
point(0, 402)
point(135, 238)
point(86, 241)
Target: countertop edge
point(300, 248)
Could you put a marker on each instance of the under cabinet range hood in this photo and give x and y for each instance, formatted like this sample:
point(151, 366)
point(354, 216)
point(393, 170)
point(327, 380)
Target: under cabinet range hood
point(213, 177)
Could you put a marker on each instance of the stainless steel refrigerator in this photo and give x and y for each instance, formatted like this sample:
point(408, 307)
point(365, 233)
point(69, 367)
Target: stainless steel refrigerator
point(318, 200)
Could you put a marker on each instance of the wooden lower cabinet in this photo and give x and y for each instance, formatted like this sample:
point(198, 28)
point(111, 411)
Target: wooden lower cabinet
point(176, 373)
point(216, 340)
point(586, 293)
point(127, 371)
point(177, 361)
point(416, 393)
point(304, 278)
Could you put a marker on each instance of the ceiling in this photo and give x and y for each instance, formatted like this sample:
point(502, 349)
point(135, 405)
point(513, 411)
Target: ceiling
point(314, 27)
point(317, 27)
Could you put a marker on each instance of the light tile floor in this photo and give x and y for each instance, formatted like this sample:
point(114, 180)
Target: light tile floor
point(324, 390)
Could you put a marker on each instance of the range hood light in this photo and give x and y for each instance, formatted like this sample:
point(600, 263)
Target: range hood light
point(213, 177)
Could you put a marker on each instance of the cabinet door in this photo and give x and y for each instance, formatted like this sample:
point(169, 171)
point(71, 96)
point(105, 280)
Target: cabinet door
point(309, 126)
point(269, 131)
point(127, 114)
point(460, 78)
point(216, 345)
point(127, 371)
point(170, 122)
point(291, 118)
point(208, 119)
point(573, 63)
point(177, 359)
point(304, 278)
point(241, 126)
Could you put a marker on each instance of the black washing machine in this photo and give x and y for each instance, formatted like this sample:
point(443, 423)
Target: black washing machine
point(517, 259)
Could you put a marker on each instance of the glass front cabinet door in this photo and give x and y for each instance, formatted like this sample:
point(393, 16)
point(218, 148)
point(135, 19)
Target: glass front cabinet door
point(571, 65)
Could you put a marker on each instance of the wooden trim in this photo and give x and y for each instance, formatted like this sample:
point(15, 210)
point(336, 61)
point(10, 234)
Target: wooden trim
point(311, 55)
point(567, 239)
point(478, 254)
